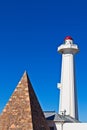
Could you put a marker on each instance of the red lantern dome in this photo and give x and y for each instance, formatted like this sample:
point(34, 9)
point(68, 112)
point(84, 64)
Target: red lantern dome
point(68, 38)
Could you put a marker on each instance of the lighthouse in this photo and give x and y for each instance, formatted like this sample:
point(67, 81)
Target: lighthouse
point(68, 95)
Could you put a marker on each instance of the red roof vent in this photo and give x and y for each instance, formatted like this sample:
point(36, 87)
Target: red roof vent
point(68, 38)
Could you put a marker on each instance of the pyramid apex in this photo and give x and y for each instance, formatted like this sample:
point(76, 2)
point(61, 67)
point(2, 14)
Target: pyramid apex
point(25, 73)
point(24, 78)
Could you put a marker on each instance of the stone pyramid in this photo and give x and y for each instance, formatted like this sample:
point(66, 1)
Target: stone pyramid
point(23, 111)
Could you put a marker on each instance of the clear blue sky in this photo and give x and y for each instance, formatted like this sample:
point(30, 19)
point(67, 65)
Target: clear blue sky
point(30, 32)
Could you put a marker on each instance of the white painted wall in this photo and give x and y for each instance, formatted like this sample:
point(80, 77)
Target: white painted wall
point(75, 126)
point(71, 126)
point(58, 126)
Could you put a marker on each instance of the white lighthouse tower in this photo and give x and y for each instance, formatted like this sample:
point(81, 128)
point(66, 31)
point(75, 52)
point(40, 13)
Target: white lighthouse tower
point(67, 86)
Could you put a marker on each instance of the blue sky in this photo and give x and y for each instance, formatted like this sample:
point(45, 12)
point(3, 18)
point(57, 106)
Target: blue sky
point(30, 32)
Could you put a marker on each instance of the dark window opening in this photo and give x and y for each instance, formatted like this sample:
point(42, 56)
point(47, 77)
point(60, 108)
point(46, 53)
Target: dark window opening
point(42, 128)
point(51, 128)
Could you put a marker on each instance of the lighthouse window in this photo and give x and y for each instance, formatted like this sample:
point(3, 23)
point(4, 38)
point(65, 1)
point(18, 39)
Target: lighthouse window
point(70, 42)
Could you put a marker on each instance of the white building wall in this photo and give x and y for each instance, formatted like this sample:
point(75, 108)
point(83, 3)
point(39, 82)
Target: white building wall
point(71, 126)
point(75, 126)
point(58, 126)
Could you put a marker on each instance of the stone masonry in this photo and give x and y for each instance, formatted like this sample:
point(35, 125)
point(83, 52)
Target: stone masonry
point(23, 111)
